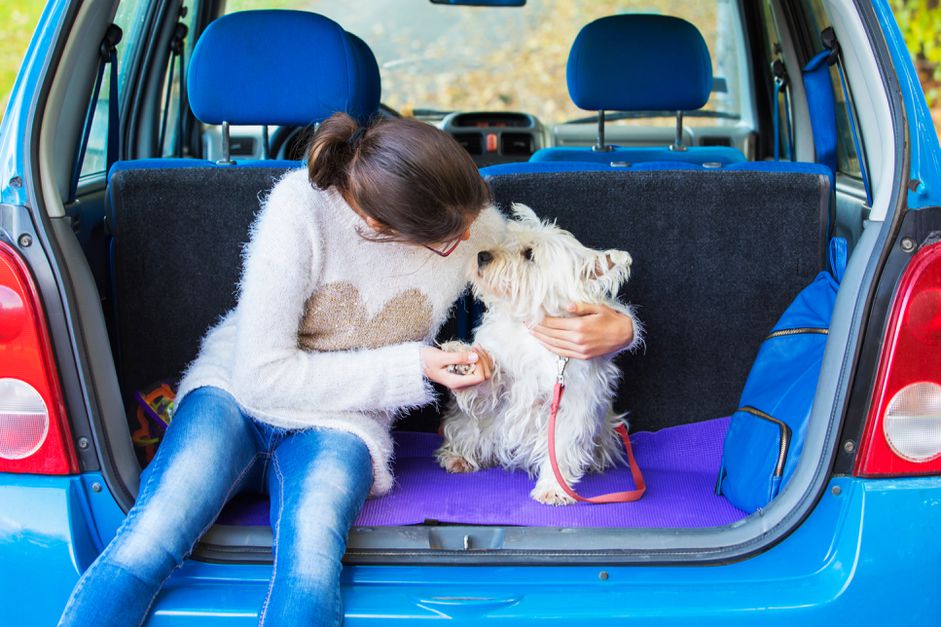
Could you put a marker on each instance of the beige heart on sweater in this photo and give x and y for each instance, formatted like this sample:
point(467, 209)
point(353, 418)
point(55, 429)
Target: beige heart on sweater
point(335, 319)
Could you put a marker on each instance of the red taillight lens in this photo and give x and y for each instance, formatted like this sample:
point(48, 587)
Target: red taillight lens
point(34, 434)
point(903, 429)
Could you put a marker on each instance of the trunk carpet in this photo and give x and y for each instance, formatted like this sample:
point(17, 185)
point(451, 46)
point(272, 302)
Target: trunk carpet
point(680, 465)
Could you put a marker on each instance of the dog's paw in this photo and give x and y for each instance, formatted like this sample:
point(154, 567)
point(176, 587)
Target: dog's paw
point(455, 346)
point(551, 495)
point(452, 462)
point(461, 369)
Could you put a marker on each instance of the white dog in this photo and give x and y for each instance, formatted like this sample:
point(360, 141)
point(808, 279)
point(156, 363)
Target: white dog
point(537, 270)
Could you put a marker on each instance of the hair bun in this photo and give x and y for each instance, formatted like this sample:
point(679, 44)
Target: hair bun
point(332, 149)
point(414, 180)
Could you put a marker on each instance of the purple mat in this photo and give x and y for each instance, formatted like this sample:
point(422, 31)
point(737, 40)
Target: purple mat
point(680, 465)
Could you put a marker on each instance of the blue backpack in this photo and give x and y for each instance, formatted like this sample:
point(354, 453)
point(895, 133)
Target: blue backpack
point(766, 434)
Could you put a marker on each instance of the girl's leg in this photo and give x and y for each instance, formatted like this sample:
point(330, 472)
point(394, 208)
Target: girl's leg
point(206, 451)
point(318, 481)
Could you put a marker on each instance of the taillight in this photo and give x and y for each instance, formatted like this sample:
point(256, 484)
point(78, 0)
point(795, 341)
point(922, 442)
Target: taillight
point(34, 434)
point(903, 429)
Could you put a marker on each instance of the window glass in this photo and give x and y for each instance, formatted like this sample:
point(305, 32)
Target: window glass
point(772, 50)
point(846, 157)
point(168, 132)
point(451, 58)
point(129, 17)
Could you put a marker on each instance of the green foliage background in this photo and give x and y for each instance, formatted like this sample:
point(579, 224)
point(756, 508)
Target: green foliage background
point(17, 20)
point(920, 21)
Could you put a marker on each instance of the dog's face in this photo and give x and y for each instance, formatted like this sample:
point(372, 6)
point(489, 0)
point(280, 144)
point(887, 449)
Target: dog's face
point(538, 269)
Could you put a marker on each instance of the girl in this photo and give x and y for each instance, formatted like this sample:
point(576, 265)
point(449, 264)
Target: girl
point(351, 268)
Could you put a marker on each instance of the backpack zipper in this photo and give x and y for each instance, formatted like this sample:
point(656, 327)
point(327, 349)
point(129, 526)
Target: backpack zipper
point(785, 436)
point(798, 331)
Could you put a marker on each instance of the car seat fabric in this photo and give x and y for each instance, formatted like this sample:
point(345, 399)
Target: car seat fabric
point(697, 155)
point(179, 224)
point(718, 255)
point(308, 66)
point(640, 63)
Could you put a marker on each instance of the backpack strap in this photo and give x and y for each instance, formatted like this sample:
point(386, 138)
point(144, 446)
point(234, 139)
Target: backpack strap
point(836, 258)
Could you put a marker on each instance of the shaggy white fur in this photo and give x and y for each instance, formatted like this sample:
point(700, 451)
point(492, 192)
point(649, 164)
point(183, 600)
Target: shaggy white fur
point(537, 270)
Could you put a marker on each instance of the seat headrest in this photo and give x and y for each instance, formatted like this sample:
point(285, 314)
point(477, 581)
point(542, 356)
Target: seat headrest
point(368, 69)
point(280, 67)
point(639, 63)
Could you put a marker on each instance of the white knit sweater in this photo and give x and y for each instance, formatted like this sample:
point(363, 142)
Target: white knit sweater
point(328, 325)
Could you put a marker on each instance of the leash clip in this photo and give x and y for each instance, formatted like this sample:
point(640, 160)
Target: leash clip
point(560, 363)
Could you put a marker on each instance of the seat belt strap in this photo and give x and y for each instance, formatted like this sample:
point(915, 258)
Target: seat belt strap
point(176, 54)
point(107, 55)
point(781, 88)
point(821, 106)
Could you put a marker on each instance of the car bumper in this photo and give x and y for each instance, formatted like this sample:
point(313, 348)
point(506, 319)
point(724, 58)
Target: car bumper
point(867, 553)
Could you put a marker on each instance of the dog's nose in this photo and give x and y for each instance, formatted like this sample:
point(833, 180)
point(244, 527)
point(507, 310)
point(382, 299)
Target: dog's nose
point(483, 258)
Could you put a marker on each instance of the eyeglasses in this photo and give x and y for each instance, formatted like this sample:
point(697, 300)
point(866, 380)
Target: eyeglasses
point(447, 248)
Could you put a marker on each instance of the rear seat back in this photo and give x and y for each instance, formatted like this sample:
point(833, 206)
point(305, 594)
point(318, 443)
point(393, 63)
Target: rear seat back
point(177, 260)
point(718, 255)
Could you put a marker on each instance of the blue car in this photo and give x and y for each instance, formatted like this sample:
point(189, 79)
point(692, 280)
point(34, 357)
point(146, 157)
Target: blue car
point(722, 143)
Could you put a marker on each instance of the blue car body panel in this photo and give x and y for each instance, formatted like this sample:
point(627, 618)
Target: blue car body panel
point(858, 558)
point(51, 529)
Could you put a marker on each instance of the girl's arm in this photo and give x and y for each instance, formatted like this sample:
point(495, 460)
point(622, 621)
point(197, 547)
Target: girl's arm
point(593, 330)
point(281, 269)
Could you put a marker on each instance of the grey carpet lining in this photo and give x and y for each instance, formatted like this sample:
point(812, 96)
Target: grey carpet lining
point(717, 258)
point(177, 259)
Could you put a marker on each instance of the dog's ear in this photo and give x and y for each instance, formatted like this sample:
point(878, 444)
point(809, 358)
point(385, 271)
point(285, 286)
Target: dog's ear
point(609, 270)
point(524, 214)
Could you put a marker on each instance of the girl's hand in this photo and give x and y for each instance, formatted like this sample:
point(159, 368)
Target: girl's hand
point(593, 331)
point(435, 363)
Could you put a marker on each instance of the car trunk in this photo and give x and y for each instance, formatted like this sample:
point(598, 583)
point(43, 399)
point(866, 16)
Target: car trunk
point(718, 255)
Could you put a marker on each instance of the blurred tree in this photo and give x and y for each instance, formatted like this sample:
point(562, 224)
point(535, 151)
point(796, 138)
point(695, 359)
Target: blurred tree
point(920, 22)
point(16, 27)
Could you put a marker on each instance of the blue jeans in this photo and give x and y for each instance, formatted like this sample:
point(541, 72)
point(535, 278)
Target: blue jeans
point(318, 480)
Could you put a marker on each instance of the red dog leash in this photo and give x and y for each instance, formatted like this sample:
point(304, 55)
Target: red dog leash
point(612, 497)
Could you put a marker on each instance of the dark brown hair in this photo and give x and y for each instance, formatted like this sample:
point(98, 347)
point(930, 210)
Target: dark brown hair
point(415, 180)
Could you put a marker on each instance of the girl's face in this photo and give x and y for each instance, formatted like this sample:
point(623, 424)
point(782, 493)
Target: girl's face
point(440, 248)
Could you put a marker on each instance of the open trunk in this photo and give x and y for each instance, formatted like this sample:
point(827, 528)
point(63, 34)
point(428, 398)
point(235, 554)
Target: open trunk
point(718, 255)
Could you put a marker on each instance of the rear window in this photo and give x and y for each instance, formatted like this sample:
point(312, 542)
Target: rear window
point(130, 18)
point(446, 58)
